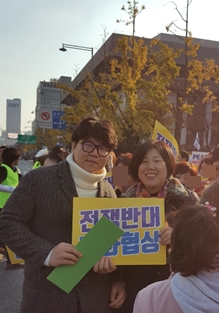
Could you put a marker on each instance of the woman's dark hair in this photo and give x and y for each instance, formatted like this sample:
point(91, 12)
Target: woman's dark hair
point(194, 241)
point(57, 149)
point(100, 130)
point(9, 155)
point(205, 160)
point(124, 158)
point(184, 155)
point(52, 156)
point(215, 155)
point(185, 167)
point(60, 151)
point(139, 154)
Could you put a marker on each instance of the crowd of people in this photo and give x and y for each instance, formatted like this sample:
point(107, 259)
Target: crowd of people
point(36, 224)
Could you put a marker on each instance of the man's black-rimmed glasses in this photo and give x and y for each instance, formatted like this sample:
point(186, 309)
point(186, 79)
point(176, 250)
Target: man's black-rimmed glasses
point(89, 147)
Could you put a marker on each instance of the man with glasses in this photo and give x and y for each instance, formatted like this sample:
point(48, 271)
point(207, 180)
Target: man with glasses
point(40, 209)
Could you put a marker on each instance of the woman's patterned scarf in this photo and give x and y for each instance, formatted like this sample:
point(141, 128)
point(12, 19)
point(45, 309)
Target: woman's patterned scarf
point(141, 192)
point(172, 187)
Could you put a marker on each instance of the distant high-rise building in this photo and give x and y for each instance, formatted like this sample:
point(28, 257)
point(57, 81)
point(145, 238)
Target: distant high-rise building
point(2, 137)
point(13, 121)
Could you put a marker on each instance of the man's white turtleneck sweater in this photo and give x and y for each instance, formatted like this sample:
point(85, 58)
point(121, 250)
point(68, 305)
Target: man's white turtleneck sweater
point(86, 184)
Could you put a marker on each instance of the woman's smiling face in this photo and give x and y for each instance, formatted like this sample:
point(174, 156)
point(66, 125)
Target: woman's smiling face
point(153, 171)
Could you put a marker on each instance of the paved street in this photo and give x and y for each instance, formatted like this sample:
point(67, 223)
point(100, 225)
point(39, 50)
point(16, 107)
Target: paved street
point(11, 288)
point(25, 166)
point(12, 279)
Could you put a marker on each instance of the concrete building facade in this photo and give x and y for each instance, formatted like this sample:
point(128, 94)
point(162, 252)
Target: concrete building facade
point(49, 97)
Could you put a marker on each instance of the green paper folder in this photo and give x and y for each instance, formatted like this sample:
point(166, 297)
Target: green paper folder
point(93, 246)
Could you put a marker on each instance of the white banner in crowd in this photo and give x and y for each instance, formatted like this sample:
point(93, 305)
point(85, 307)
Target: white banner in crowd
point(197, 156)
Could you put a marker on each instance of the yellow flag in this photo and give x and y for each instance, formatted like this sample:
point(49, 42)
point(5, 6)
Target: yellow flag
point(161, 133)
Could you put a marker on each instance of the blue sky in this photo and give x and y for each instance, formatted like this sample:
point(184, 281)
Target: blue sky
point(31, 33)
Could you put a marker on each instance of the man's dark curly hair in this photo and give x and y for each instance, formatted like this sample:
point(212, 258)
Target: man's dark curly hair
point(100, 130)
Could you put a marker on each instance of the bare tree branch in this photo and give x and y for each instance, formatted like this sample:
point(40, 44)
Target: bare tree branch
point(176, 8)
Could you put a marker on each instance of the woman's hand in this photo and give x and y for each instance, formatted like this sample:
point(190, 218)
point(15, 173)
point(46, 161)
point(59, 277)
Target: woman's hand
point(64, 254)
point(165, 235)
point(104, 266)
point(118, 295)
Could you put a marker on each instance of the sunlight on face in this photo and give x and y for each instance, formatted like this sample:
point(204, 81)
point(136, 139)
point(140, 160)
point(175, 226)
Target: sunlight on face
point(153, 171)
point(90, 162)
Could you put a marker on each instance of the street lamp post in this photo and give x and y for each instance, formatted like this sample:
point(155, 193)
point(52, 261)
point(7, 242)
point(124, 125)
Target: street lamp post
point(29, 131)
point(65, 47)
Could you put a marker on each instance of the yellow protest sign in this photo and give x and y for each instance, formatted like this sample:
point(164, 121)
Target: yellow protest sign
point(161, 133)
point(15, 259)
point(109, 178)
point(141, 220)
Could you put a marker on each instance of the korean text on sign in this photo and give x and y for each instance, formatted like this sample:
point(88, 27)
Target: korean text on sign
point(140, 219)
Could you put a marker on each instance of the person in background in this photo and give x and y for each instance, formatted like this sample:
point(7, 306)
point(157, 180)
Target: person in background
point(215, 160)
point(51, 158)
point(60, 151)
point(2, 148)
point(39, 157)
point(152, 167)
point(194, 260)
point(184, 169)
point(110, 161)
point(8, 172)
point(124, 160)
point(183, 156)
point(40, 210)
point(207, 160)
point(210, 197)
point(9, 176)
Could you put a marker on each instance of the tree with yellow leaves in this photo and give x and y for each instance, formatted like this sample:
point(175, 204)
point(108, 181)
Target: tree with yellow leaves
point(126, 95)
point(134, 92)
point(196, 93)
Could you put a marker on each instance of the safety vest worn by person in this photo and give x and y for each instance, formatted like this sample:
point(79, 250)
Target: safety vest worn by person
point(36, 164)
point(12, 180)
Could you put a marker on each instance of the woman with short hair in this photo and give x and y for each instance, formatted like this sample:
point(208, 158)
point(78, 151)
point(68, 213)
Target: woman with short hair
point(184, 169)
point(152, 166)
point(194, 260)
point(207, 160)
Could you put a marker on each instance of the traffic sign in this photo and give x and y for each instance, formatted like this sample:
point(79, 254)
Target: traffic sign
point(45, 119)
point(57, 122)
point(26, 139)
point(51, 119)
point(45, 115)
